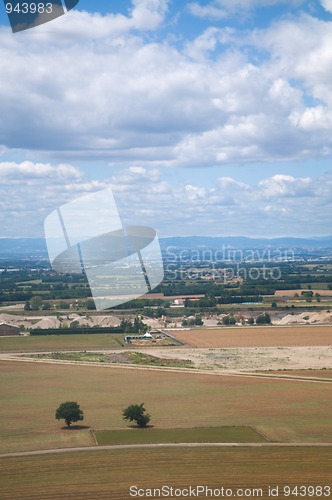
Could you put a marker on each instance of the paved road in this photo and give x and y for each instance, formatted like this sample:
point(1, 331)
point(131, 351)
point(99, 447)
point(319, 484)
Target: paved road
point(161, 445)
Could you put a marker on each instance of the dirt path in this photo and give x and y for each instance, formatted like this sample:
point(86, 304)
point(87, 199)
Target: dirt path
point(162, 445)
point(223, 373)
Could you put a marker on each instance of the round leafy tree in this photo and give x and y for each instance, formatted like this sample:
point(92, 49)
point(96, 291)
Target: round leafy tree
point(136, 413)
point(69, 411)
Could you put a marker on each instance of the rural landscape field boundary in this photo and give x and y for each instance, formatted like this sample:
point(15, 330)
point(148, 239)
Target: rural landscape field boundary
point(194, 371)
point(165, 445)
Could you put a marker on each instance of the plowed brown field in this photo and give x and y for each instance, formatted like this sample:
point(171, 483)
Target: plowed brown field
point(272, 336)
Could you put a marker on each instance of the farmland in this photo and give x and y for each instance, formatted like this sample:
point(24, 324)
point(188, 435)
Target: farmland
point(282, 410)
point(109, 474)
point(257, 336)
point(61, 342)
point(235, 434)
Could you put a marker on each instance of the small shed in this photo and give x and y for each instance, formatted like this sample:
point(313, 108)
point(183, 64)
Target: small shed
point(6, 329)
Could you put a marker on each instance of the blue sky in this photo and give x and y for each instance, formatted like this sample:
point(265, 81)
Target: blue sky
point(206, 117)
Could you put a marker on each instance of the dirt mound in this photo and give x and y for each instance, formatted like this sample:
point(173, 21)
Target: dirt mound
point(291, 319)
point(50, 322)
point(318, 317)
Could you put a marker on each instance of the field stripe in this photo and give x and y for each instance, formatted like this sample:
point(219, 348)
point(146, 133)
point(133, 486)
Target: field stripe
point(292, 378)
point(162, 445)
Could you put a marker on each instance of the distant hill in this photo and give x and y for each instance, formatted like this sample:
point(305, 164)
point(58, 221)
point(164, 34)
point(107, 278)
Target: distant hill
point(242, 242)
point(35, 248)
point(17, 248)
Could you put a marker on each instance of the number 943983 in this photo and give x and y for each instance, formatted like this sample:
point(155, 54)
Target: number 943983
point(29, 8)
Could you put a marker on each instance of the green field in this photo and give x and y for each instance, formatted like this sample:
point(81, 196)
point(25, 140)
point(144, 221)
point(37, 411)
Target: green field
point(61, 342)
point(282, 410)
point(128, 357)
point(109, 474)
point(194, 435)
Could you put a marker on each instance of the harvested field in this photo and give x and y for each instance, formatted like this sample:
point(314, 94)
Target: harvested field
point(282, 410)
point(272, 336)
point(305, 373)
point(290, 293)
point(109, 474)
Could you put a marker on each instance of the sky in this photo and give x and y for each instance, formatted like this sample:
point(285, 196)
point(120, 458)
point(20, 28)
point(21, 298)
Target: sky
point(204, 117)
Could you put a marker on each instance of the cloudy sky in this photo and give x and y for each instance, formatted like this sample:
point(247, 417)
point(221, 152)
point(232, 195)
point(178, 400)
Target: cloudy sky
point(207, 117)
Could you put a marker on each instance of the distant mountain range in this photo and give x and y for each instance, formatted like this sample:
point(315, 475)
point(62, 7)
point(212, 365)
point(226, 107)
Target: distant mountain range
point(242, 242)
point(34, 248)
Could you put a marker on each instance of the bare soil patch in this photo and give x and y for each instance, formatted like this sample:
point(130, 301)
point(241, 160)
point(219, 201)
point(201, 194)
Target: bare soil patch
point(254, 359)
point(272, 336)
point(305, 373)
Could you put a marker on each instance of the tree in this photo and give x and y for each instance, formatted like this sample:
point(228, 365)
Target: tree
point(27, 306)
point(228, 320)
point(198, 321)
point(90, 304)
point(126, 325)
point(69, 412)
point(136, 413)
point(263, 319)
point(63, 305)
point(36, 303)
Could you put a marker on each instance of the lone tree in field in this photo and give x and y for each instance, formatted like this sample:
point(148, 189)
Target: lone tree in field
point(136, 413)
point(69, 412)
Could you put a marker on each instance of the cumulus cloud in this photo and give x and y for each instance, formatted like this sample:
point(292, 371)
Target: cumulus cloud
point(29, 191)
point(327, 4)
point(225, 97)
point(276, 205)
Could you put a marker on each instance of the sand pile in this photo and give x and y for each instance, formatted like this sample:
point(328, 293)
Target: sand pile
point(319, 317)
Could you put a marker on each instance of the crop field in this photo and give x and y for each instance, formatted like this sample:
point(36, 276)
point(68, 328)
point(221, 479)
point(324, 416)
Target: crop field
point(235, 434)
point(262, 336)
point(305, 373)
point(316, 288)
point(109, 474)
point(120, 357)
point(30, 392)
point(61, 342)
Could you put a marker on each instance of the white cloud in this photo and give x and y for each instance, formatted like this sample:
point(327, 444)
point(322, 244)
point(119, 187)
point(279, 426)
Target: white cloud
point(313, 118)
point(285, 185)
point(280, 204)
point(145, 15)
point(277, 205)
point(210, 11)
point(327, 4)
point(94, 87)
point(29, 191)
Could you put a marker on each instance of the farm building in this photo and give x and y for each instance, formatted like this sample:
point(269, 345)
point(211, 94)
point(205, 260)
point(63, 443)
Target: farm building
point(146, 336)
point(6, 329)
